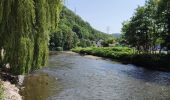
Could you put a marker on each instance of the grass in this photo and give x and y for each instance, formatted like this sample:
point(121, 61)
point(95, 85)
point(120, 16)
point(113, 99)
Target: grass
point(127, 55)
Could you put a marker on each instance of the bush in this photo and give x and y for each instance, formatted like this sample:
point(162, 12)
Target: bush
point(59, 49)
point(125, 54)
point(110, 52)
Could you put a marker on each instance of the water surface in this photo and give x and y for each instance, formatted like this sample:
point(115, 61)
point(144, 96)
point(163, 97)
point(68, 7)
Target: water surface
point(70, 76)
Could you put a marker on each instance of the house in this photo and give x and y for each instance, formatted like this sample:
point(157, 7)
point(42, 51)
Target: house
point(98, 43)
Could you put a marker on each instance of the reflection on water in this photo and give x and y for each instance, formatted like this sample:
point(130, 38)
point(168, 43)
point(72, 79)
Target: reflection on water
point(91, 78)
point(40, 86)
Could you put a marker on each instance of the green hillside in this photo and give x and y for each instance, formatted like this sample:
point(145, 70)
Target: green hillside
point(74, 31)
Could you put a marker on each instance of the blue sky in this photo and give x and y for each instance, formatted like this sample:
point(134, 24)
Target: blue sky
point(105, 15)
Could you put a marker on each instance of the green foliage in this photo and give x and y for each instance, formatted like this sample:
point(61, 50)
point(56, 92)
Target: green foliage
point(111, 52)
point(59, 49)
point(163, 13)
point(137, 30)
point(73, 32)
point(85, 43)
point(157, 61)
point(149, 26)
point(127, 55)
point(25, 26)
point(108, 41)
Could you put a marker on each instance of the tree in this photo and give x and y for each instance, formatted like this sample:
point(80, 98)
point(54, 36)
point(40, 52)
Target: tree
point(164, 21)
point(78, 31)
point(56, 40)
point(25, 26)
point(146, 27)
point(137, 30)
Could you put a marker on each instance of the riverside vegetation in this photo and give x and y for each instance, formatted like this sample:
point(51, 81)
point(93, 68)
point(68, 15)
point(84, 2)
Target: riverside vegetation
point(129, 56)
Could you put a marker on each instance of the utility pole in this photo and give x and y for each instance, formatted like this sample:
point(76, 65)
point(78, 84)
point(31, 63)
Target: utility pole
point(75, 10)
point(108, 30)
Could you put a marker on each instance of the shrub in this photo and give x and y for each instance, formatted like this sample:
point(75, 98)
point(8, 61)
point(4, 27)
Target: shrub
point(59, 49)
point(125, 54)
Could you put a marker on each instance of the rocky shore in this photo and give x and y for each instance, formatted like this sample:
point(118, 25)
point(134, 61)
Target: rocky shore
point(10, 91)
point(10, 86)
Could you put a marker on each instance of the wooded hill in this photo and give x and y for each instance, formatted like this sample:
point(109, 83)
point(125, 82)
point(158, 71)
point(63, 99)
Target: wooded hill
point(74, 31)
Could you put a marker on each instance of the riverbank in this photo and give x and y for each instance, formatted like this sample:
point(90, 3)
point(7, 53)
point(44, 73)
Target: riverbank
point(11, 86)
point(8, 88)
point(127, 56)
point(9, 91)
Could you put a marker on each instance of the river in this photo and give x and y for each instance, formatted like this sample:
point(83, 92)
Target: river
point(70, 76)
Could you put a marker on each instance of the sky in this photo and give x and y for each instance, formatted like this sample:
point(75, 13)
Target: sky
point(105, 15)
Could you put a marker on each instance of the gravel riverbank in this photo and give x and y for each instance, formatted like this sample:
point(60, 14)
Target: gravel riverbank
point(9, 86)
point(10, 91)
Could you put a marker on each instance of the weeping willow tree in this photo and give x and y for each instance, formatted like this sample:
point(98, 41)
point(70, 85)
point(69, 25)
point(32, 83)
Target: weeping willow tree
point(25, 26)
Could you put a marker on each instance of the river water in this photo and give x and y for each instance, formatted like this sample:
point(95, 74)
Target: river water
point(70, 76)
